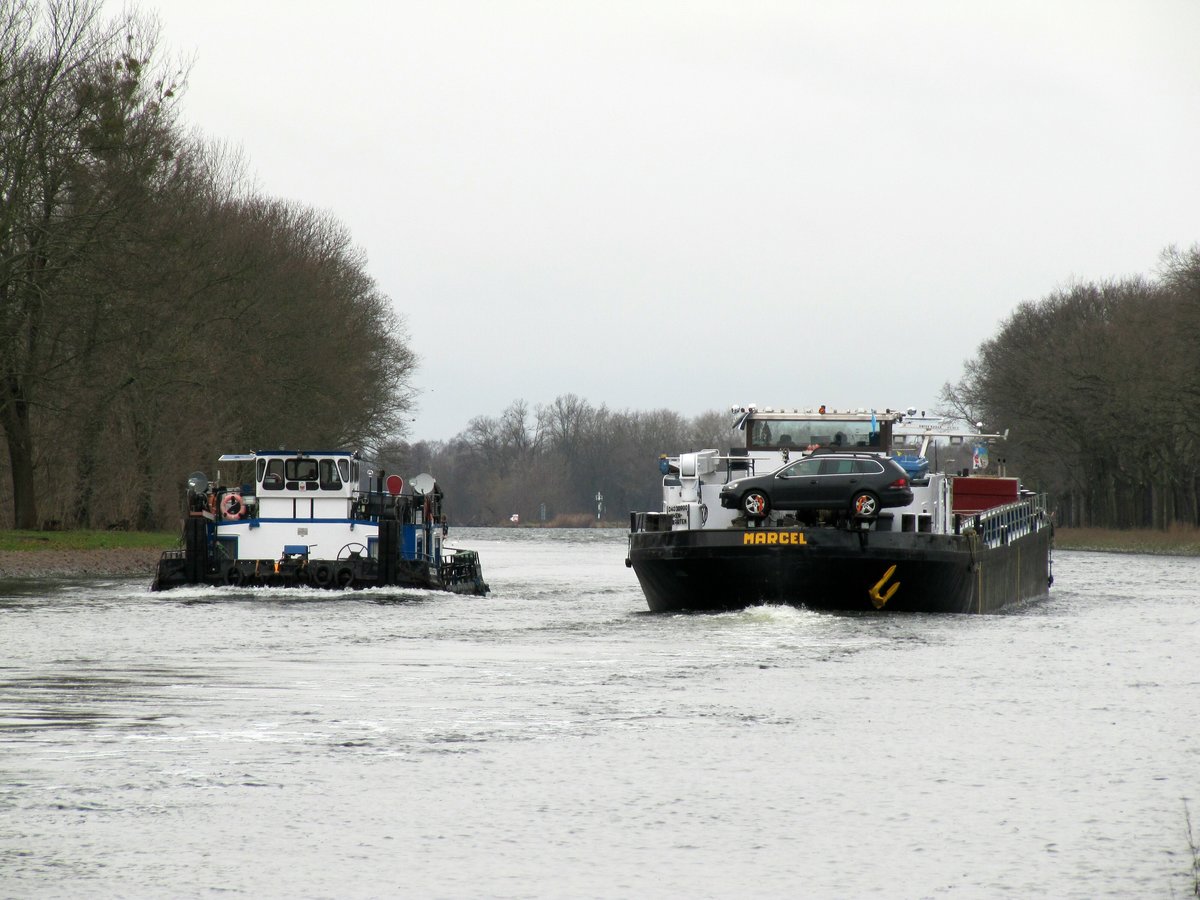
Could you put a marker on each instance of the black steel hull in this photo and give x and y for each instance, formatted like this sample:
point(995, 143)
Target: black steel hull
point(829, 568)
point(175, 570)
point(196, 564)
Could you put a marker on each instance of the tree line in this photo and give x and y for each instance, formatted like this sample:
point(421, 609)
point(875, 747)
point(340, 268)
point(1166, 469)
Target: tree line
point(155, 310)
point(1099, 384)
point(548, 463)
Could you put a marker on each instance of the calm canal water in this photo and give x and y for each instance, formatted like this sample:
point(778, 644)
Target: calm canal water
point(556, 740)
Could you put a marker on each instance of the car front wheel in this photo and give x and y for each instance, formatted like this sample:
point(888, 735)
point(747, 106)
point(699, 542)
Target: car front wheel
point(755, 504)
point(865, 504)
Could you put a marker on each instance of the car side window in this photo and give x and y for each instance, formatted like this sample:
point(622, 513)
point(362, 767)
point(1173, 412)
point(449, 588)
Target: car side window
point(837, 466)
point(800, 469)
point(867, 467)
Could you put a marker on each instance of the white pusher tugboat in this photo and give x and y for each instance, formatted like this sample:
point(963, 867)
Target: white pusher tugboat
point(325, 519)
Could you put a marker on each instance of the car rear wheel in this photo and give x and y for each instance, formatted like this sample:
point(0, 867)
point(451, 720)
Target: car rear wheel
point(865, 504)
point(755, 504)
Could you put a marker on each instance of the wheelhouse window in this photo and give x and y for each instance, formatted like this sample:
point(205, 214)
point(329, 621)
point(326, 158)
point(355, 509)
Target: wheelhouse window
point(272, 479)
point(331, 479)
point(808, 434)
point(301, 469)
point(303, 473)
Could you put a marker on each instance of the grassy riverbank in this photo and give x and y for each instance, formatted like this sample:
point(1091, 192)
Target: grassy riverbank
point(67, 541)
point(1179, 540)
point(67, 554)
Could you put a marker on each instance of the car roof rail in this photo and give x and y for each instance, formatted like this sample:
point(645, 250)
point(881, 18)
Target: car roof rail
point(844, 451)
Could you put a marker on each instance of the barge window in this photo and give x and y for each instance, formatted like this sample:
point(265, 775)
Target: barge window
point(771, 434)
point(761, 435)
point(344, 468)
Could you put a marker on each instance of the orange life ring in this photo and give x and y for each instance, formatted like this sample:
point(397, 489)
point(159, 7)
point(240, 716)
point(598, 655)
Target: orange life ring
point(232, 506)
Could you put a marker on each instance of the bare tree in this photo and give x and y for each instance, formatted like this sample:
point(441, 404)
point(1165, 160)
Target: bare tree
point(82, 110)
point(1093, 383)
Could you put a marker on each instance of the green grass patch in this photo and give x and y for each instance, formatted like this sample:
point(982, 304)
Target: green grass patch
point(37, 541)
point(1178, 540)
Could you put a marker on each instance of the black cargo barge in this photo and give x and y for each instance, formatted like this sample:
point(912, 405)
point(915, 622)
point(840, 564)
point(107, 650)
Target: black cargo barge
point(837, 569)
point(738, 529)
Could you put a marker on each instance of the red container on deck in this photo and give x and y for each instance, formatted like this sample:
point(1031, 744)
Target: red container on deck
point(979, 492)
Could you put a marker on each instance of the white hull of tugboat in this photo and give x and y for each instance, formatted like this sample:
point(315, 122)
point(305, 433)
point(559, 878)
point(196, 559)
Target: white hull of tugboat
point(326, 539)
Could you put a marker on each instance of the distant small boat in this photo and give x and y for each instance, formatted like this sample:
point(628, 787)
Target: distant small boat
point(326, 519)
point(967, 542)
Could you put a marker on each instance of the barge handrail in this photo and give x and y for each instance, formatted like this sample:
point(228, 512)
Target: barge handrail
point(1001, 524)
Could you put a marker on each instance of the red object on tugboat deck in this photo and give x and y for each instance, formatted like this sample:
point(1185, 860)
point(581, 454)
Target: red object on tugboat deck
point(395, 484)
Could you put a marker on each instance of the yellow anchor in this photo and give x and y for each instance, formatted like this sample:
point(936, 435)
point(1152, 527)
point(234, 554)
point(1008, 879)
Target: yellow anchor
point(880, 599)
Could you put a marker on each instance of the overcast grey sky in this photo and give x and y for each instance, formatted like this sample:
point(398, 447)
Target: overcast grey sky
point(691, 204)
